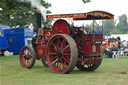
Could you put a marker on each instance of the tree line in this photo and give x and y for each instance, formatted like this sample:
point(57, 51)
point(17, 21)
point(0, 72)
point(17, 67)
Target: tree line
point(119, 26)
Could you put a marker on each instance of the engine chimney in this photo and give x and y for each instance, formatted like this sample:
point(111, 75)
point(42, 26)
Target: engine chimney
point(38, 19)
point(38, 25)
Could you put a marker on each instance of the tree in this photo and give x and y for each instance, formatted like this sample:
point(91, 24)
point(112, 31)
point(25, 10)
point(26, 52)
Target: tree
point(123, 24)
point(15, 13)
point(109, 26)
point(86, 1)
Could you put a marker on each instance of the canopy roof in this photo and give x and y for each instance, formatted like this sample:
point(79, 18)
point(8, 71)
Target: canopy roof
point(93, 15)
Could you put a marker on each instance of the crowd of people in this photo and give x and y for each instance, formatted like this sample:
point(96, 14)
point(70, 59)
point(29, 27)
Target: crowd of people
point(115, 47)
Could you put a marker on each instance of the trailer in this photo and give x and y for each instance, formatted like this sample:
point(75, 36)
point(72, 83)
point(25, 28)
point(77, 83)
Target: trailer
point(12, 40)
point(18, 38)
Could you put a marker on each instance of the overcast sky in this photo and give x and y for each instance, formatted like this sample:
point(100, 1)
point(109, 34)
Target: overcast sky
point(116, 7)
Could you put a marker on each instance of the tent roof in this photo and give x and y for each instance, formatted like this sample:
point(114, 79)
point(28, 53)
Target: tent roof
point(4, 26)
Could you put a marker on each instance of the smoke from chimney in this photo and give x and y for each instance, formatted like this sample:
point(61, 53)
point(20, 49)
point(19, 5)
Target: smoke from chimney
point(37, 4)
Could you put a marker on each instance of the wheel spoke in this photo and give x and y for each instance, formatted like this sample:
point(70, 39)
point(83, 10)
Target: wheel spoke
point(53, 58)
point(53, 62)
point(66, 54)
point(24, 60)
point(62, 44)
point(65, 48)
point(29, 56)
point(29, 52)
point(58, 65)
point(59, 42)
point(50, 53)
point(54, 46)
point(53, 49)
point(63, 66)
point(68, 50)
point(66, 60)
point(28, 62)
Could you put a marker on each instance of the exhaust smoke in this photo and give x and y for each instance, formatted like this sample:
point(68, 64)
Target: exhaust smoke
point(37, 4)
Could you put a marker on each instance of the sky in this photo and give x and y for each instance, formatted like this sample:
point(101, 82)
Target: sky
point(116, 7)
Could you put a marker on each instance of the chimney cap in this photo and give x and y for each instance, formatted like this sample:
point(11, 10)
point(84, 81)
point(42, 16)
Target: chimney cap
point(38, 11)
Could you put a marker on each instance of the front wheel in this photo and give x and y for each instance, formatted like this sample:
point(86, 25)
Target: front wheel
point(27, 57)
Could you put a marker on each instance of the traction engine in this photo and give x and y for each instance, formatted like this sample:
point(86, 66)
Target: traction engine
point(65, 46)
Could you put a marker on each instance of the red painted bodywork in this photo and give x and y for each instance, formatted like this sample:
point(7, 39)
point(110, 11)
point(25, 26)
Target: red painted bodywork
point(87, 41)
point(40, 50)
point(42, 41)
point(88, 48)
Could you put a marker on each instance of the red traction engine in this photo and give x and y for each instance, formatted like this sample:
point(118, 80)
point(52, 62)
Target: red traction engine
point(65, 46)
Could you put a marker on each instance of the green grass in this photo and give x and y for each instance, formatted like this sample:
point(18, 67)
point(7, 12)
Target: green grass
point(111, 72)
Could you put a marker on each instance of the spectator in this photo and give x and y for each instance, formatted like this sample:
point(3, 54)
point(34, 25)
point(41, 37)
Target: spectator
point(122, 45)
point(116, 44)
point(125, 43)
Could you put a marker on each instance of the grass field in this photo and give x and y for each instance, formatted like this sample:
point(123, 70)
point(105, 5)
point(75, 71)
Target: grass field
point(111, 72)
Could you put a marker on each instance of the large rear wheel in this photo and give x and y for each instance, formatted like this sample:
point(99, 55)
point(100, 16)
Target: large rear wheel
point(27, 57)
point(89, 67)
point(62, 53)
